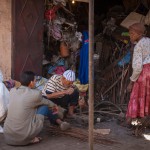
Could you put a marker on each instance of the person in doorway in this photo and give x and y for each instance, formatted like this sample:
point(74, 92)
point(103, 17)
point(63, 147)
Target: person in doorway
point(60, 90)
point(26, 112)
point(139, 86)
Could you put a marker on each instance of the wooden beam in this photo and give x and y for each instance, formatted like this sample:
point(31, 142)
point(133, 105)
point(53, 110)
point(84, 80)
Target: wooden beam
point(86, 1)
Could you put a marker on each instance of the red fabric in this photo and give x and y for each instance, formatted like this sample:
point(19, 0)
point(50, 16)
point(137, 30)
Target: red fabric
point(60, 70)
point(51, 14)
point(139, 104)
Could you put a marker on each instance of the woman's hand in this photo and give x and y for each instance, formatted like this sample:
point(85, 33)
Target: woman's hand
point(130, 86)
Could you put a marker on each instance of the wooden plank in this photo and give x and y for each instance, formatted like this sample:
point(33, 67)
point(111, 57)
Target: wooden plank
point(86, 1)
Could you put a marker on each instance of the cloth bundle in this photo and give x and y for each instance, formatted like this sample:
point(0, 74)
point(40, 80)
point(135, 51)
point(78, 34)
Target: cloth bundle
point(4, 98)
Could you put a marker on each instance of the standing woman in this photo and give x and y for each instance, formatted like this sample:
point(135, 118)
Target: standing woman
point(139, 86)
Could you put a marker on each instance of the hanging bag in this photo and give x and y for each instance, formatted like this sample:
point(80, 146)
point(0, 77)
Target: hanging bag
point(64, 51)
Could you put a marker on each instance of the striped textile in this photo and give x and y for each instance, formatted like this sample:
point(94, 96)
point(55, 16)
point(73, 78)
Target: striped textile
point(54, 84)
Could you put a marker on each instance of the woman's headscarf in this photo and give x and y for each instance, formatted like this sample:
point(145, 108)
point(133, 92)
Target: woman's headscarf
point(139, 28)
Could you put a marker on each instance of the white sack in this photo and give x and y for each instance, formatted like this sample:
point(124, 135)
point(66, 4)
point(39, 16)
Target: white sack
point(4, 97)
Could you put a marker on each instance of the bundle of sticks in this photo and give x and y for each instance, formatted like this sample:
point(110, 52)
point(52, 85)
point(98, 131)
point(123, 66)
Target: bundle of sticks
point(82, 135)
point(112, 81)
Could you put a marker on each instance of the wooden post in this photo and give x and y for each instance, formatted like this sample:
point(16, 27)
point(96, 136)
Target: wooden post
point(91, 73)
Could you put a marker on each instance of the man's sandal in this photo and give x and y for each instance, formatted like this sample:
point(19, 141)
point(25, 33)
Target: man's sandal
point(64, 126)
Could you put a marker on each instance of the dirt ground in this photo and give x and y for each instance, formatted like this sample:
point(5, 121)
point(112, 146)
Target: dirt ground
point(118, 133)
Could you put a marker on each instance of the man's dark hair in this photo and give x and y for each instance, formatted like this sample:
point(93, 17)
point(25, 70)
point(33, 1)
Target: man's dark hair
point(26, 77)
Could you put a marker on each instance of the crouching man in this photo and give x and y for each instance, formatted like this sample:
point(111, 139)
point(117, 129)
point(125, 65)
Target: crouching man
point(26, 113)
point(60, 90)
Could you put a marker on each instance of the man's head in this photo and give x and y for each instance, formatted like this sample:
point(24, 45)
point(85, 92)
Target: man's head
point(136, 31)
point(68, 78)
point(27, 78)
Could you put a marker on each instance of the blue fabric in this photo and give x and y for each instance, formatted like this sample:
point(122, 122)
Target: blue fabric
point(84, 59)
point(45, 111)
point(125, 60)
point(59, 62)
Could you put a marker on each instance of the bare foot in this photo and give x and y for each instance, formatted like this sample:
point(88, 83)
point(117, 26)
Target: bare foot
point(36, 140)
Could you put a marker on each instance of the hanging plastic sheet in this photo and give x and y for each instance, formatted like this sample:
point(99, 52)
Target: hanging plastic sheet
point(84, 59)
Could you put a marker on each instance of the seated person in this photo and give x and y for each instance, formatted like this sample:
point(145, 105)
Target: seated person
point(60, 90)
point(26, 113)
point(4, 99)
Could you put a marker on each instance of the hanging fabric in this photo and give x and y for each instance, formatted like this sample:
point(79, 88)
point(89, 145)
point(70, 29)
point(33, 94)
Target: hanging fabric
point(84, 59)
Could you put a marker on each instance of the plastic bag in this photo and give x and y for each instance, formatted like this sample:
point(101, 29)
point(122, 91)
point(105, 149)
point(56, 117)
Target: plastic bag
point(125, 60)
point(1, 130)
point(4, 98)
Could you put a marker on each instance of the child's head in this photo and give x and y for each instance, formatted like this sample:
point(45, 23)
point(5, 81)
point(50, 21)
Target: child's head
point(27, 78)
